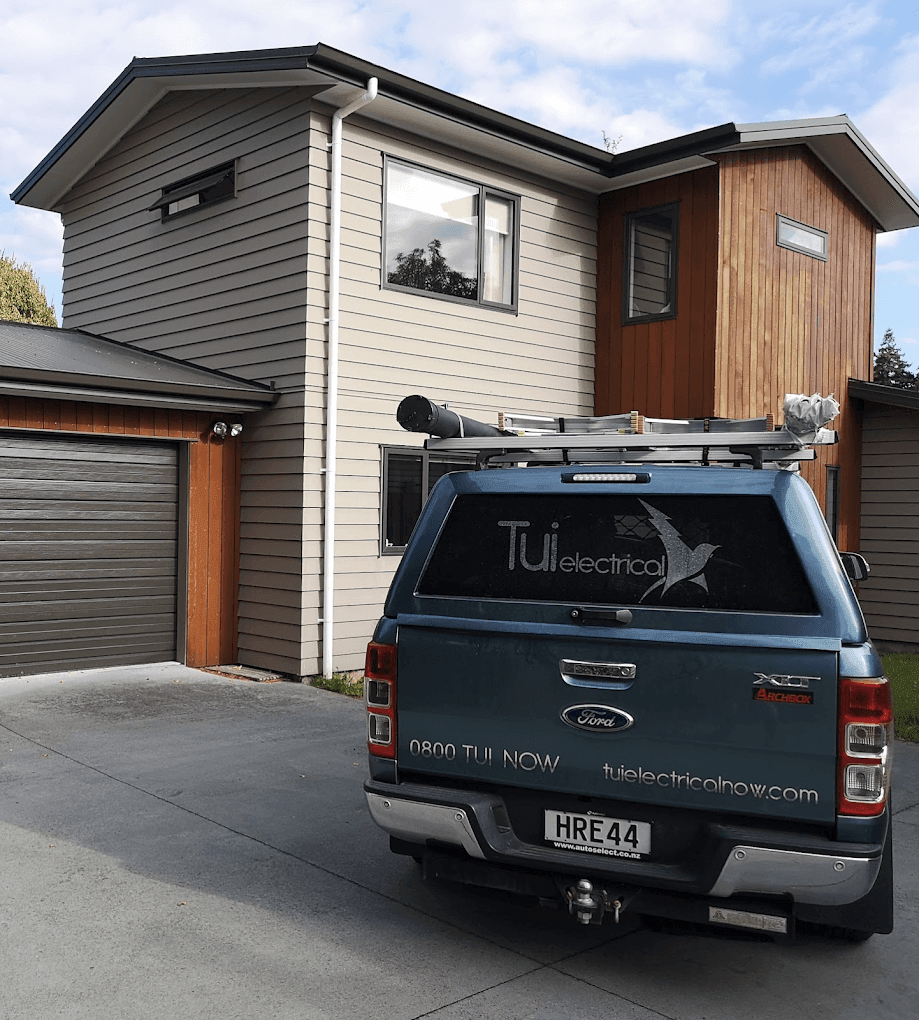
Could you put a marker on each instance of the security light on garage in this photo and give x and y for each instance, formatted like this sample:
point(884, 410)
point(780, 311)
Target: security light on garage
point(221, 430)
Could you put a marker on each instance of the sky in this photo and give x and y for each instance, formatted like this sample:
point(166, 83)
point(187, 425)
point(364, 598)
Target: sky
point(595, 70)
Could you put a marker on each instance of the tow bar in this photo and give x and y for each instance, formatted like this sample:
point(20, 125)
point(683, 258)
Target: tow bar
point(589, 905)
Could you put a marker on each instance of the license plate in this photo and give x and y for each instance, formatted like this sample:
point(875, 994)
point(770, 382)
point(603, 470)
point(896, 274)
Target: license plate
point(597, 834)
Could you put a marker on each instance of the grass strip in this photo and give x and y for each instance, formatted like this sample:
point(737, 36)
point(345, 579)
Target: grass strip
point(341, 683)
point(903, 671)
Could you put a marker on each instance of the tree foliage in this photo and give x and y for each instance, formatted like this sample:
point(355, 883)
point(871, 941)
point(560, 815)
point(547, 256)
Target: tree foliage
point(22, 297)
point(428, 270)
point(890, 367)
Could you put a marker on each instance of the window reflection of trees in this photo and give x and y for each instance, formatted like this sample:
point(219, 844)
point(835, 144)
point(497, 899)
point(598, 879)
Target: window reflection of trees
point(427, 269)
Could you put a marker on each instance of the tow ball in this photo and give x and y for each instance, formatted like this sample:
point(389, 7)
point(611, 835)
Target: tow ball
point(589, 905)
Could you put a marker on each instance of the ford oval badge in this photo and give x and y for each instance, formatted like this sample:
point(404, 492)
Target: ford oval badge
point(597, 718)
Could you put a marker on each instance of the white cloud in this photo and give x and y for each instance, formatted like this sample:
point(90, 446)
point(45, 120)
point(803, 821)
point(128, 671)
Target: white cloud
point(823, 47)
point(598, 32)
point(898, 266)
point(890, 123)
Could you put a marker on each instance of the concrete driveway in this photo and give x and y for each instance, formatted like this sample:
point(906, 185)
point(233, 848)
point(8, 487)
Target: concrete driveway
point(175, 844)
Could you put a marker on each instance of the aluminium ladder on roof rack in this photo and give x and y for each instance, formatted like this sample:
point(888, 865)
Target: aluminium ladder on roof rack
point(633, 439)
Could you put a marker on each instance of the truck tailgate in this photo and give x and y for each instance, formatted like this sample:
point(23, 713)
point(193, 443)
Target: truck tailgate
point(719, 722)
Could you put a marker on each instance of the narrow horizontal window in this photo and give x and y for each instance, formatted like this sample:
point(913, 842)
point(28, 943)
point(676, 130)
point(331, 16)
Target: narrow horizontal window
point(449, 237)
point(202, 189)
point(408, 477)
point(649, 283)
point(800, 237)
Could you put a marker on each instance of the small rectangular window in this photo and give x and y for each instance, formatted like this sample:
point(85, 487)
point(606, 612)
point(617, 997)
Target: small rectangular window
point(450, 237)
point(408, 477)
point(202, 189)
point(800, 237)
point(832, 500)
point(649, 286)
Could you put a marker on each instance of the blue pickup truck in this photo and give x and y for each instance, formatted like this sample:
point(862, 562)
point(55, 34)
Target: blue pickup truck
point(635, 688)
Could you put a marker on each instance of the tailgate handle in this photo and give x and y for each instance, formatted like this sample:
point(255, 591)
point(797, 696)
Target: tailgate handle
point(602, 615)
point(601, 674)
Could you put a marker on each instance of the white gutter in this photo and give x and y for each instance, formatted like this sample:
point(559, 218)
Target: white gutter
point(331, 430)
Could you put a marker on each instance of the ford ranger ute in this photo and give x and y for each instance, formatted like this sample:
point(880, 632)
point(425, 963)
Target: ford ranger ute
point(622, 667)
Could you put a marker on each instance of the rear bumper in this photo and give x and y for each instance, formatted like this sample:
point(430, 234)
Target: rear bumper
point(741, 862)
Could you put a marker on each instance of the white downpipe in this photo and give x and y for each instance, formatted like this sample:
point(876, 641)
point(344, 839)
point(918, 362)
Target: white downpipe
point(331, 429)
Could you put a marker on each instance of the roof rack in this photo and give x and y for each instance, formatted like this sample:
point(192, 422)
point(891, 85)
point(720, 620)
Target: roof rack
point(628, 438)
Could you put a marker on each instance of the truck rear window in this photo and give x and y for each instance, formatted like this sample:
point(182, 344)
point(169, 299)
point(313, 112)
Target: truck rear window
point(728, 553)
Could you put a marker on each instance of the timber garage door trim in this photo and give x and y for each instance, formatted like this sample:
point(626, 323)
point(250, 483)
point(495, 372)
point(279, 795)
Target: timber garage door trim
point(88, 552)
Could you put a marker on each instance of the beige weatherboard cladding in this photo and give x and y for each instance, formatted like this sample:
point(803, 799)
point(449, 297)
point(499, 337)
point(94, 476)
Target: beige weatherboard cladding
point(478, 359)
point(242, 286)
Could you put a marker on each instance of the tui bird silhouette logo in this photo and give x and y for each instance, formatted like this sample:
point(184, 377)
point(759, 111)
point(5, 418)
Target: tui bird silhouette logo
point(683, 563)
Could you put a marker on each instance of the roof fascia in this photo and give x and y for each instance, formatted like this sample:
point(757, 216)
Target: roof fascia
point(834, 140)
point(146, 80)
point(131, 398)
point(876, 393)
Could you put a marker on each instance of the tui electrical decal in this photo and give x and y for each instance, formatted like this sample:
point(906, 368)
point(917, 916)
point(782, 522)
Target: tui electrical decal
point(677, 551)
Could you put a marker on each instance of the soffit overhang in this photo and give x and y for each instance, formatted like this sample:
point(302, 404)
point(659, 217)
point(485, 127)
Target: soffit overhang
point(835, 141)
point(877, 393)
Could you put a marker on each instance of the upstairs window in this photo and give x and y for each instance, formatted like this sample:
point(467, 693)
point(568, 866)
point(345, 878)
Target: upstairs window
point(800, 237)
point(450, 237)
point(649, 286)
point(202, 189)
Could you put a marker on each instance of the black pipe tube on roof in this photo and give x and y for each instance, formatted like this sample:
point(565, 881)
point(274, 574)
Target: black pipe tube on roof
point(418, 414)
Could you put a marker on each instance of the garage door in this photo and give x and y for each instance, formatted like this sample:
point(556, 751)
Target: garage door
point(88, 531)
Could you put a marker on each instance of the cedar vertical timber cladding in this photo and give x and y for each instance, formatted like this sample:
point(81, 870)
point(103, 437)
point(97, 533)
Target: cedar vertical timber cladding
point(754, 320)
point(664, 369)
point(213, 509)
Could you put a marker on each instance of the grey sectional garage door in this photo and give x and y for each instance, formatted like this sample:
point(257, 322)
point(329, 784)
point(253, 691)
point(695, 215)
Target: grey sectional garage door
point(88, 546)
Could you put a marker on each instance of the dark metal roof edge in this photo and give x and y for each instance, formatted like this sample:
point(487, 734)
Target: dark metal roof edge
point(234, 388)
point(343, 66)
point(697, 143)
point(877, 393)
point(242, 386)
point(799, 131)
point(152, 67)
point(409, 90)
point(131, 398)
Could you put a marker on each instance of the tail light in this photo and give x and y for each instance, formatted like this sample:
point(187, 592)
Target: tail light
point(380, 697)
point(865, 745)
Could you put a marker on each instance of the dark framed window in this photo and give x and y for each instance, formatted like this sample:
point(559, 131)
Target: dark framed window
point(409, 475)
point(650, 264)
point(449, 237)
point(800, 237)
point(207, 188)
point(832, 500)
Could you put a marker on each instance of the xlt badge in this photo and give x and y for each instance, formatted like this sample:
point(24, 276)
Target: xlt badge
point(781, 680)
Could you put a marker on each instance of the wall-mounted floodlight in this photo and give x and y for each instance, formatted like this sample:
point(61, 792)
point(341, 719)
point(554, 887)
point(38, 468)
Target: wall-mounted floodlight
point(221, 430)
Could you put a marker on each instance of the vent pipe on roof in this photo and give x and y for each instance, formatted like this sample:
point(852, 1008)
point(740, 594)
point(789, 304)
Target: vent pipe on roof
point(331, 429)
